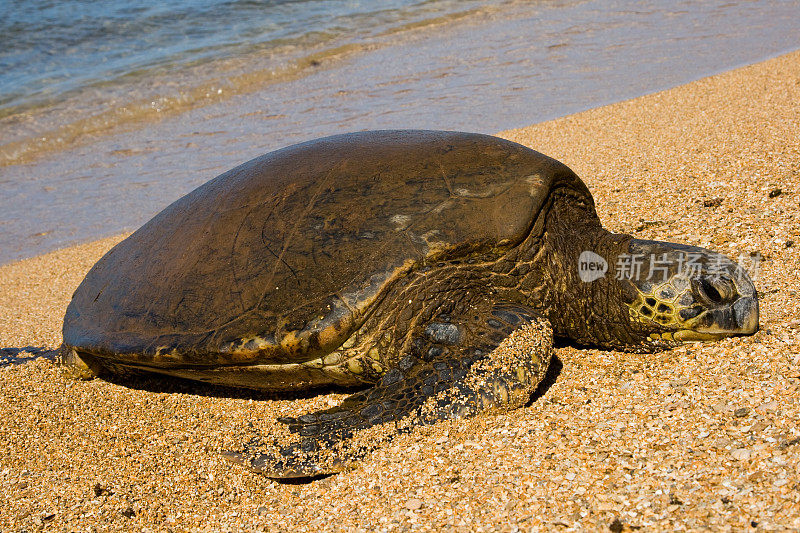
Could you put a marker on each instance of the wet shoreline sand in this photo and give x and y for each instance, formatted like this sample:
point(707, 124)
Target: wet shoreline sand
point(701, 437)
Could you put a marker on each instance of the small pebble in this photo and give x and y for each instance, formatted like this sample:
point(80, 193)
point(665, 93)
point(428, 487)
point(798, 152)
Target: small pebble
point(413, 504)
point(768, 406)
point(721, 406)
point(741, 454)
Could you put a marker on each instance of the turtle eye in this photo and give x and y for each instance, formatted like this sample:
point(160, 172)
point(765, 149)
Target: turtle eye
point(716, 290)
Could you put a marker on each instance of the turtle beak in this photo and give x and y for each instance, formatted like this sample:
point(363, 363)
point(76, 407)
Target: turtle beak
point(746, 315)
point(741, 318)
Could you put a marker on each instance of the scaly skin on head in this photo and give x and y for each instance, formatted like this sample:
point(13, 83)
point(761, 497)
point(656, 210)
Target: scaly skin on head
point(653, 295)
point(693, 293)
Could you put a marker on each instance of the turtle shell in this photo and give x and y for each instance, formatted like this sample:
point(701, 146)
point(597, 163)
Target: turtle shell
point(280, 259)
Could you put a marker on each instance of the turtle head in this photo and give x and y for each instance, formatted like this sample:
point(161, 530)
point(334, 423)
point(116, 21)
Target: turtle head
point(633, 294)
point(677, 293)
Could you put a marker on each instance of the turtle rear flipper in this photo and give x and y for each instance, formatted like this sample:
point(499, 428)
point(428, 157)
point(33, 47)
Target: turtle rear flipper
point(454, 369)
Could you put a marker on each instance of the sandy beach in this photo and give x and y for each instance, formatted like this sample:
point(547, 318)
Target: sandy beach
point(703, 437)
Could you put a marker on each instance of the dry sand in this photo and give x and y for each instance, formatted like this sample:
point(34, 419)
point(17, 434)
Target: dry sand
point(701, 437)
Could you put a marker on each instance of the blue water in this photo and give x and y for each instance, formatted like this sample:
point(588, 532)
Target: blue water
point(52, 49)
point(112, 110)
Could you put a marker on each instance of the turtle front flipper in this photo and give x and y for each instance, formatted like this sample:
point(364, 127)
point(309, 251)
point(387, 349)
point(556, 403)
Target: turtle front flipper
point(455, 368)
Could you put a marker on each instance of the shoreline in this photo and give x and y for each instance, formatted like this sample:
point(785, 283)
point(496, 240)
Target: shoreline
point(702, 436)
point(557, 59)
point(220, 80)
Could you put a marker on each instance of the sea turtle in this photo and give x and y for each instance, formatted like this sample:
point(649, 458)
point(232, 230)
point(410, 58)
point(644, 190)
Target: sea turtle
point(396, 261)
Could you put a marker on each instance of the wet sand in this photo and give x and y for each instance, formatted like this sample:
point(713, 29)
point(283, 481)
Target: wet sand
point(705, 436)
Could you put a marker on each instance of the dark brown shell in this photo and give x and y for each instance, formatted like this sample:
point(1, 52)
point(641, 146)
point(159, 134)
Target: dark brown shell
point(279, 259)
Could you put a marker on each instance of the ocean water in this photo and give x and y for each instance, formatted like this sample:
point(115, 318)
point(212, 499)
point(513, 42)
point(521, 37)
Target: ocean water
point(70, 61)
point(111, 110)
